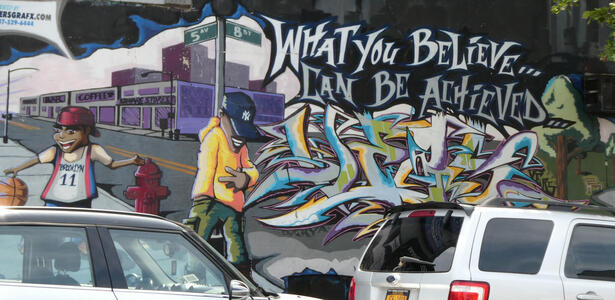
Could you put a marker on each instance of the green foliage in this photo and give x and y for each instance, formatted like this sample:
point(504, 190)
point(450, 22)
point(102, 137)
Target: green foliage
point(602, 15)
point(562, 5)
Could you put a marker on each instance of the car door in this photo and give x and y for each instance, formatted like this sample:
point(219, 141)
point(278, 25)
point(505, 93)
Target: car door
point(517, 252)
point(588, 265)
point(52, 262)
point(160, 265)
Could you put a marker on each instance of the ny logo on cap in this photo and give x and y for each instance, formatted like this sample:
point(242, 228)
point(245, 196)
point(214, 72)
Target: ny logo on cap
point(246, 115)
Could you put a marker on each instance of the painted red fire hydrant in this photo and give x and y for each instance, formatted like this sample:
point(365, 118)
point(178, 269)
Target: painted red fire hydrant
point(148, 192)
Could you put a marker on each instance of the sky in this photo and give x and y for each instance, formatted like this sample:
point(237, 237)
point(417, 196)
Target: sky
point(59, 73)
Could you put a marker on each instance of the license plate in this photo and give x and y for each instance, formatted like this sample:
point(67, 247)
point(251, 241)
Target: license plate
point(397, 295)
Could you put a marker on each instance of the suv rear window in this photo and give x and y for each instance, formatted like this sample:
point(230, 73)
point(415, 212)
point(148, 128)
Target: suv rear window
point(514, 245)
point(423, 243)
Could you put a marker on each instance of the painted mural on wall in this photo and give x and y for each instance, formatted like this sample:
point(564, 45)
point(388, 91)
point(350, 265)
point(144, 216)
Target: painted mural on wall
point(323, 125)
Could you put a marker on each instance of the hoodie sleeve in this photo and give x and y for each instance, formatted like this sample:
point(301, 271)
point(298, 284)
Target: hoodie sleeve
point(207, 161)
point(248, 167)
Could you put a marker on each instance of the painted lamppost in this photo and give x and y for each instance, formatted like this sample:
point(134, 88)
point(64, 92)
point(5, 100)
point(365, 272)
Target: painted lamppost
point(5, 138)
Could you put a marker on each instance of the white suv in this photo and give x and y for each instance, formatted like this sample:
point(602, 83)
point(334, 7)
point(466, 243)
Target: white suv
point(454, 251)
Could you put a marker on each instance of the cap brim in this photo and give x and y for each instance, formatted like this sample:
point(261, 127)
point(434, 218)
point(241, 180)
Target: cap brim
point(246, 129)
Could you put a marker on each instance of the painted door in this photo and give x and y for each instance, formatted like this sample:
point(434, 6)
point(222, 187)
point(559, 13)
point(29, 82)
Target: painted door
point(27, 110)
point(162, 113)
point(146, 121)
point(50, 112)
point(588, 266)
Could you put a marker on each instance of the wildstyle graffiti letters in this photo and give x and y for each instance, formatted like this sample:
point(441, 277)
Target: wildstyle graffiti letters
point(342, 160)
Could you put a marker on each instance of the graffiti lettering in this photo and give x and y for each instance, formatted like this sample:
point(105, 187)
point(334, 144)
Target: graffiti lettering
point(489, 54)
point(311, 232)
point(496, 104)
point(294, 43)
point(382, 72)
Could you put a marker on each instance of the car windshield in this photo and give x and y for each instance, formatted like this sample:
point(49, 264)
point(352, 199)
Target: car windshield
point(414, 244)
point(254, 288)
point(166, 261)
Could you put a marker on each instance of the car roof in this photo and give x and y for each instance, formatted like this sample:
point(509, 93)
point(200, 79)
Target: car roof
point(83, 216)
point(553, 207)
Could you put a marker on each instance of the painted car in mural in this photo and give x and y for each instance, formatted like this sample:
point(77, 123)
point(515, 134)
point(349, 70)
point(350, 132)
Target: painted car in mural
point(350, 118)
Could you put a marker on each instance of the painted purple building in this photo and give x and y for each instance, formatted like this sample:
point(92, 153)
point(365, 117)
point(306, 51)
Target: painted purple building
point(257, 85)
point(190, 63)
point(133, 76)
point(146, 105)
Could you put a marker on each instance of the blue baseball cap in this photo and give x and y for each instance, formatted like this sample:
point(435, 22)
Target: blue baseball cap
point(241, 111)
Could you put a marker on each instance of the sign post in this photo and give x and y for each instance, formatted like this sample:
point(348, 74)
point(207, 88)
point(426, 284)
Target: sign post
point(200, 34)
point(219, 30)
point(209, 31)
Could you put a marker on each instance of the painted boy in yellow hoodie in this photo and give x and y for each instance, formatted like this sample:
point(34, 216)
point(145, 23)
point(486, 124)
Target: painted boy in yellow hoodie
point(224, 173)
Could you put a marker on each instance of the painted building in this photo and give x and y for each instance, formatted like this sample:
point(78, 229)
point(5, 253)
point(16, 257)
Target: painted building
point(100, 101)
point(191, 63)
point(133, 76)
point(145, 105)
point(28, 106)
point(50, 104)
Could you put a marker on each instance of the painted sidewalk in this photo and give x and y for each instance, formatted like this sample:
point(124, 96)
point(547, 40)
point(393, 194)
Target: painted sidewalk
point(36, 177)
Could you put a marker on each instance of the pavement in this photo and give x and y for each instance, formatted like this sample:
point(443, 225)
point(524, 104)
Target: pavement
point(36, 177)
point(129, 130)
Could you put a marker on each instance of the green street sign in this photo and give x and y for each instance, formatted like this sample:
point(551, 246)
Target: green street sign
point(200, 34)
point(243, 33)
point(210, 31)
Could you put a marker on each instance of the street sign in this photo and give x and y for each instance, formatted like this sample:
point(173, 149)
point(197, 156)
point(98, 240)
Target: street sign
point(210, 31)
point(200, 34)
point(243, 33)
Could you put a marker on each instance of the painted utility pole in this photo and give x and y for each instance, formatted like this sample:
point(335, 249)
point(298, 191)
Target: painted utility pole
point(222, 9)
point(220, 62)
point(5, 138)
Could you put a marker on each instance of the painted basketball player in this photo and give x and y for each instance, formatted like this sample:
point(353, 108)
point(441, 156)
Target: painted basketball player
point(72, 182)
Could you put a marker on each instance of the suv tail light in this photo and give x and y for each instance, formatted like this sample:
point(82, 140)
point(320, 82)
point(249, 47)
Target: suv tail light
point(422, 213)
point(468, 290)
point(351, 290)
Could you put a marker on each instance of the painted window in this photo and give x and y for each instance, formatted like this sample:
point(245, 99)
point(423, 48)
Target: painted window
point(107, 115)
point(131, 116)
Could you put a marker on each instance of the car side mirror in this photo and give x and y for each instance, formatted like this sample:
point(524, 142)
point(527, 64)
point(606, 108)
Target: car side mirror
point(239, 290)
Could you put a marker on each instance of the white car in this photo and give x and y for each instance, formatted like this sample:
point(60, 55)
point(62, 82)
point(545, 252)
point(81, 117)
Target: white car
point(455, 251)
point(63, 253)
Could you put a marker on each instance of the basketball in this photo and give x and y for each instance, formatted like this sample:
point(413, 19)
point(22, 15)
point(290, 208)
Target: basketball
point(13, 192)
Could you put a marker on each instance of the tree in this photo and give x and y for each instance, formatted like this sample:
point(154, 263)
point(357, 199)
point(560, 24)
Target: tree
point(564, 101)
point(604, 15)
